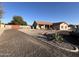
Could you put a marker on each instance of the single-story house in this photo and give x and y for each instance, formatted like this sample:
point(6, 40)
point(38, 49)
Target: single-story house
point(60, 26)
point(41, 25)
point(73, 27)
point(77, 26)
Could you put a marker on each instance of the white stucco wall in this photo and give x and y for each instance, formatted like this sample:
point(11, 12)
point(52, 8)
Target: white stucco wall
point(64, 26)
point(42, 27)
point(1, 25)
point(37, 27)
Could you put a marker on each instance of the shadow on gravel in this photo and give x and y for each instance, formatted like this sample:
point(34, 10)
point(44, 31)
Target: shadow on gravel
point(72, 39)
point(68, 37)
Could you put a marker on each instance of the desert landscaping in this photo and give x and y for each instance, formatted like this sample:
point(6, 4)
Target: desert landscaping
point(21, 40)
point(32, 42)
point(39, 29)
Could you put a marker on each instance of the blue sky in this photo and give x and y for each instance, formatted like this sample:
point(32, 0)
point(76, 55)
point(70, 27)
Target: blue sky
point(46, 11)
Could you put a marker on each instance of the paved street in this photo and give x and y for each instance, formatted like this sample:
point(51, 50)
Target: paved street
point(19, 44)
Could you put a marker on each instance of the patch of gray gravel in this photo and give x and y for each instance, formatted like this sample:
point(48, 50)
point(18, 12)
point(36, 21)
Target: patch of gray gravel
point(14, 43)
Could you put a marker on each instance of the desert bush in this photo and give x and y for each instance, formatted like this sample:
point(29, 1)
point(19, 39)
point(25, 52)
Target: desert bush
point(57, 37)
point(54, 36)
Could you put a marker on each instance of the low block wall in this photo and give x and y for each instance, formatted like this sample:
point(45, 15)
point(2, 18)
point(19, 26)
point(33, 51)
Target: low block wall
point(25, 27)
point(15, 26)
point(2, 26)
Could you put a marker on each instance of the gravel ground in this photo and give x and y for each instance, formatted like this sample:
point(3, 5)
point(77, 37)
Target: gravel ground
point(34, 32)
point(38, 34)
point(16, 43)
point(1, 31)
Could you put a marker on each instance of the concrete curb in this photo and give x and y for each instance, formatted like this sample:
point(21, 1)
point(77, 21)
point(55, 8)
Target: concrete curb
point(76, 48)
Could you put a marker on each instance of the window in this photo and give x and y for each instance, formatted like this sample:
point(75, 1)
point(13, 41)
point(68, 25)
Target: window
point(61, 26)
point(65, 27)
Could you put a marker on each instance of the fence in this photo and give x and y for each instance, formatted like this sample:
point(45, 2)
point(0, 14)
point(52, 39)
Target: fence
point(17, 27)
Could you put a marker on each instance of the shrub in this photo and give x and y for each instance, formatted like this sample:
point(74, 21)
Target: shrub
point(54, 36)
point(57, 37)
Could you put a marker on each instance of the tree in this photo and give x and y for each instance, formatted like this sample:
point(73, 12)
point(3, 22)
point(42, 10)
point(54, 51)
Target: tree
point(18, 20)
point(1, 12)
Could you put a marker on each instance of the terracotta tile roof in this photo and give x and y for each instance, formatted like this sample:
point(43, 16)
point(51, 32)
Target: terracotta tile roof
point(43, 23)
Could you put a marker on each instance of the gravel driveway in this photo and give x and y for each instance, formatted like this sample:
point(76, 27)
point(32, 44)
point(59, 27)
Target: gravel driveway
point(16, 43)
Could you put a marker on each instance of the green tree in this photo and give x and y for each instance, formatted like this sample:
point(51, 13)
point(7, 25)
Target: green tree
point(18, 20)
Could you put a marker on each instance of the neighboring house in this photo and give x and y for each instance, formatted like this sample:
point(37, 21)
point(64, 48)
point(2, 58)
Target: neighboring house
point(42, 25)
point(72, 27)
point(60, 26)
point(77, 26)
